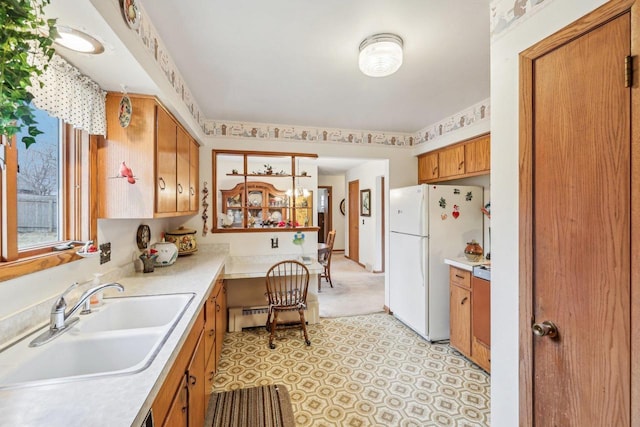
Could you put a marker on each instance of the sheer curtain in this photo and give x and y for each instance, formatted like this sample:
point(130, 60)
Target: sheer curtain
point(64, 92)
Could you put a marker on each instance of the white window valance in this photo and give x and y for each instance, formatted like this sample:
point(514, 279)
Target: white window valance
point(71, 96)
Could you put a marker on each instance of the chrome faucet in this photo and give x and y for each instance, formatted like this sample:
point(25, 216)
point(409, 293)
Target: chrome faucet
point(60, 320)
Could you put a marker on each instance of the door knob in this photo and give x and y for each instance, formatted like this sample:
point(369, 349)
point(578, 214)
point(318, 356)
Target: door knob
point(546, 328)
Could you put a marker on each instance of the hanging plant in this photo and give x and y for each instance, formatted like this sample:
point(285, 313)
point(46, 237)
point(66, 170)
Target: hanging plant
point(24, 35)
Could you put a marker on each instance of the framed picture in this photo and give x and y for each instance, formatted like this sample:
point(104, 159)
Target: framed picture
point(365, 202)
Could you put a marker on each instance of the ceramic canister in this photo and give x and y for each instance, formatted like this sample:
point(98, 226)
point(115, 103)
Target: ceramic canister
point(184, 239)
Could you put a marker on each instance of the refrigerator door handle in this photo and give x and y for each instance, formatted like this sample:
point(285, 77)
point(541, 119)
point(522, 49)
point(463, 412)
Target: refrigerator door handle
point(422, 217)
point(422, 261)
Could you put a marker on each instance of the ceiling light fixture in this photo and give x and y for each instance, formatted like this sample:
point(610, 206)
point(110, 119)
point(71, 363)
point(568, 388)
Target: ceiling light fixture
point(380, 55)
point(77, 41)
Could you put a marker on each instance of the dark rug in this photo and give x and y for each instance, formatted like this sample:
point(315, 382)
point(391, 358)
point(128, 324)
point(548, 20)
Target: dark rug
point(264, 406)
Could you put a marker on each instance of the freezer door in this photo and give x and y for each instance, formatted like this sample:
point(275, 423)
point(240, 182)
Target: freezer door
point(407, 210)
point(407, 280)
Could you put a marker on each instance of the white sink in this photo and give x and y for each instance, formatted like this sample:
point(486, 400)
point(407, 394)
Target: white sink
point(134, 312)
point(122, 337)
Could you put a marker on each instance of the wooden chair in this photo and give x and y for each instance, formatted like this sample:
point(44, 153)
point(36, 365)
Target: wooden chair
point(287, 285)
point(325, 258)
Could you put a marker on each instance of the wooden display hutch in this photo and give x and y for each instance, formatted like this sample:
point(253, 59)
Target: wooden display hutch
point(249, 203)
point(265, 205)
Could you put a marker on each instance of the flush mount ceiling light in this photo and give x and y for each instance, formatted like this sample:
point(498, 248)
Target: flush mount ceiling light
point(380, 55)
point(77, 40)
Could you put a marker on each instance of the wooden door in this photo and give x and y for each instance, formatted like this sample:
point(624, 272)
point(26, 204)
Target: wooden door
point(221, 321)
point(477, 155)
point(183, 171)
point(427, 167)
point(196, 382)
point(194, 172)
point(575, 194)
point(460, 319)
point(451, 161)
point(165, 162)
point(177, 414)
point(354, 221)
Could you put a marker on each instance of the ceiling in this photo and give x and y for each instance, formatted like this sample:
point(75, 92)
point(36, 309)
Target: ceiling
point(295, 63)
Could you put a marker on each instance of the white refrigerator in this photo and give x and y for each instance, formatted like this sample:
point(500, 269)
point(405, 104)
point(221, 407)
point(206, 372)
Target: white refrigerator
point(429, 223)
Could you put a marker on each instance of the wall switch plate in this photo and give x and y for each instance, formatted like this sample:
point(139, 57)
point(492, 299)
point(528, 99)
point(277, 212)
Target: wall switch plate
point(274, 243)
point(105, 252)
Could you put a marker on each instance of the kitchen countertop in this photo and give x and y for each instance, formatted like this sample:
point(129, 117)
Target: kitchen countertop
point(465, 264)
point(241, 267)
point(118, 400)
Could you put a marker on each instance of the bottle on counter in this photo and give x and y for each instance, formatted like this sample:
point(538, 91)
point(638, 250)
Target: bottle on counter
point(96, 299)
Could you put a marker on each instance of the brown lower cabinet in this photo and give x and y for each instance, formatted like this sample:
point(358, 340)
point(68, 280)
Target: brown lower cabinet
point(470, 316)
point(183, 397)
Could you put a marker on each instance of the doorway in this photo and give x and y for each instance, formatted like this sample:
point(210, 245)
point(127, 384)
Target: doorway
point(325, 212)
point(576, 317)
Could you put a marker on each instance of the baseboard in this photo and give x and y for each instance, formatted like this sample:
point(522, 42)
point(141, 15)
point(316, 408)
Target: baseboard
point(387, 310)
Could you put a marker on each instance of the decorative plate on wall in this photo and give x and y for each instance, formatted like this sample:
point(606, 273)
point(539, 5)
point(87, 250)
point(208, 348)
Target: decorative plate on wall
point(342, 207)
point(124, 112)
point(142, 236)
point(131, 13)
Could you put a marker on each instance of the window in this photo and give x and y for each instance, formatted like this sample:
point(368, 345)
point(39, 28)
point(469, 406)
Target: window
point(38, 185)
point(47, 195)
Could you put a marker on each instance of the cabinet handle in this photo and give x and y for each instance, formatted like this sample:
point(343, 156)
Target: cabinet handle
point(179, 188)
point(212, 332)
point(463, 300)
point(433, 172)
point(218, 307)
point(193, 379)
point(459, 276)
point(211, 375)
point(162, 185)
point(192, 191)
point(460, 165)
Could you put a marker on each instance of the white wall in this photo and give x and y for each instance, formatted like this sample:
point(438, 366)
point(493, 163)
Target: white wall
point(402, 170)
point(337, 184)
point(368, 243)
point(504, 197)
point(32, 289)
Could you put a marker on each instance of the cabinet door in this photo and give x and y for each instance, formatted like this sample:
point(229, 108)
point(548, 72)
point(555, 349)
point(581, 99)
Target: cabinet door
point(460, 319)
point(183, 170)
point(197, 385)
point(165, 162)
point(177, 415)
point(221, 321)
point(481, 323)
point(451, 161)
point(210, 339)
point(194, 174)
point(427, 167)
point(477, 155)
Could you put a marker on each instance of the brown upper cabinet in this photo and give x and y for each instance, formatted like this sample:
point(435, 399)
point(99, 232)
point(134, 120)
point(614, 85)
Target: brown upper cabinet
point(162, 156)
point(467, 158)
point(428, 167)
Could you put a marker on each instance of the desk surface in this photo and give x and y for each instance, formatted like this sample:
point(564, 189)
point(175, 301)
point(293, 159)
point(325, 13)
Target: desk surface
point(241, 267)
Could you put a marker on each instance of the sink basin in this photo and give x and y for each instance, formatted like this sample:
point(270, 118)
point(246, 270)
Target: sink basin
point(121, 337)
point(85, 357)
point(134, 312)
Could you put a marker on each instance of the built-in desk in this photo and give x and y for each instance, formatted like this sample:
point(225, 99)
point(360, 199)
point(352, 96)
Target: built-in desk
point(245, 277)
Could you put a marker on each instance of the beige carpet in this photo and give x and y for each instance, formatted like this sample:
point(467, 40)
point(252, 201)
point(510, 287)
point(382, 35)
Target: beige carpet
point(355, 291)
point(360, 371)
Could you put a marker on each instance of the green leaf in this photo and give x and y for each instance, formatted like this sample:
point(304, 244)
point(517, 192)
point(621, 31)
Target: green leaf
point(28, 140)
point(33, 131)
